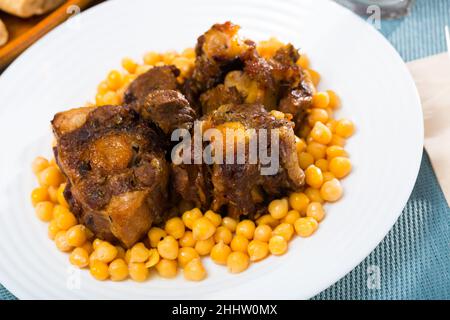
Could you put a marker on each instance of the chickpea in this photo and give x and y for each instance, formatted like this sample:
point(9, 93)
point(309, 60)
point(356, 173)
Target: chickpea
point(300, 144)
point(118, 270)
point(313, 195)
point(204, 247)
point(106, 252)
point(175, 227)
point(39, 194)
point(187, 240)
point(220, 253)
point(129, 64)
point(321, 133)
point(229, 223)
point(139, 253)
point(96, 243)
point(203, 228)
point(263, 233)
point(39, 164)
point(314, 177)
point(167, 268)
point(315, 210)
point(321, 100)
point(267, 219)
point(102, 88)
point(317, 115)
point(306, 226)
point(65, 220)
point(277, 245)
point(237, 262)
point(246, 228)
point(278, 208)
point(305, 159)
point(151, 58)
point(190, 216)
point(50, 176)
point(76, 235)
point(331, 190)
point(79, 257)
point(291, 217)
point(153, 258)
point(61, 242)
point(285, 230)
point(298, 201)
point(185, 255)
point(114, 80)
point(317, 150)
point(194, 270)
point(335, 151)
point(155, 235)
point(44, 210)
point(340, 167)
point(257, 250)
point(345, 128)
point(168, 248)
point(99, 270)
point(327, 176)
point(331, 124)
point(335, 102)
point(239, 243)
point(53, 194)
point(223, 234)
point(52, 229)
point(322, 164)
point(337, 140)
point(138, 271)
point(215, 218)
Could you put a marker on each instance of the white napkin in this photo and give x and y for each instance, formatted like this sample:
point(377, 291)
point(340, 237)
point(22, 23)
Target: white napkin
point(432, 77)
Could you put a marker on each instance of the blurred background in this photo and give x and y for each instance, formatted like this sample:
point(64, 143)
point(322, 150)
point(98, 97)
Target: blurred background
point(22, 22)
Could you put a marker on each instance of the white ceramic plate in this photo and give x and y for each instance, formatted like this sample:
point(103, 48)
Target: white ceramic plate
point(62, 70)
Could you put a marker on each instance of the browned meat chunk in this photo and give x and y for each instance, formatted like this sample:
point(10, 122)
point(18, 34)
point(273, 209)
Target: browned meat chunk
point(240, 188)
point(226, 64)
point(218, 51)
point(154, 95)
point(297, 102)
point(192, 183)
point(168, 109)
point(157, 78)
point(116, 169)
point(218, 96)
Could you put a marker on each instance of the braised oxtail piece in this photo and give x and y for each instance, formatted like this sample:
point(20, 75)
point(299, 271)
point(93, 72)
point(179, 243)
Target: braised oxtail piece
point(116, 169)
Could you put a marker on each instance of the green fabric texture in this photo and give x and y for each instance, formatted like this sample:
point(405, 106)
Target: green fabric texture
point(414, 258)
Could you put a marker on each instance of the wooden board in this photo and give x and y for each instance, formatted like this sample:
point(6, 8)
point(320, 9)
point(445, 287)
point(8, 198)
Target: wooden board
point(24, 32)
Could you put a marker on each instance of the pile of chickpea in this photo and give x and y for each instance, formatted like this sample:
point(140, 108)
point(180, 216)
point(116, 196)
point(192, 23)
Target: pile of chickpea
point(184, 240)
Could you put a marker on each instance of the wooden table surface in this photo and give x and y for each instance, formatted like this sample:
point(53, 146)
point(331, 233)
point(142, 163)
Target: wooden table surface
point(24, 32)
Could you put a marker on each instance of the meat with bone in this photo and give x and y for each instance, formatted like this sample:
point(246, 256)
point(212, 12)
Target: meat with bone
point(230, 70)
point(240, 188)
point(157, 78)
point(154, 95)
point(218, 52)
point(116, 169)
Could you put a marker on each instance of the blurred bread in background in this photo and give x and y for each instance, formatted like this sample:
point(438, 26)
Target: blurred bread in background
point(28, 8)
point(3, 33)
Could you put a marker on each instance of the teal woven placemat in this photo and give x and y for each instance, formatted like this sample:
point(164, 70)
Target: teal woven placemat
point(414, 259)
